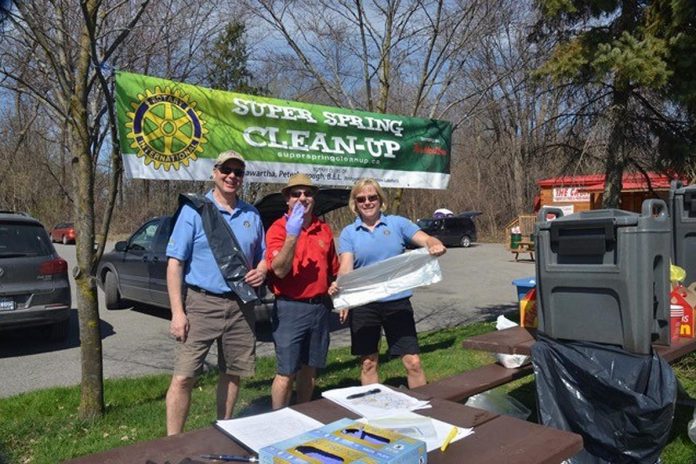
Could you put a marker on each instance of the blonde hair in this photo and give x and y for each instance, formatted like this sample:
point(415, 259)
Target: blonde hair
point(361, 184)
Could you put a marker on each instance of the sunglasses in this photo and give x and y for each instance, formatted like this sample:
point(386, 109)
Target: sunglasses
point(370, 198)
point(226, 171)
point(298, 193)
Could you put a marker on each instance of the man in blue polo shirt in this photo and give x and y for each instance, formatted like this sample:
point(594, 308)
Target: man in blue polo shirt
point(204, 308)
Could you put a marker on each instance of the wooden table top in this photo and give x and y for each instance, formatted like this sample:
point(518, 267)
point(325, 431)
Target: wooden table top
point(519, 340)
point(515, 340)
point(496, 439)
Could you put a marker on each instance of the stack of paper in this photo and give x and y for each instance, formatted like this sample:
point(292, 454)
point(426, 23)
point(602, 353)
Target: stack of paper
point(379, 406)
point(261, 430)
point(375, 400)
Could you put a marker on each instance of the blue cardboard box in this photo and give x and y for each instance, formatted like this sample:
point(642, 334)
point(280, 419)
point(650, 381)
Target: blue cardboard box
point(346, 441)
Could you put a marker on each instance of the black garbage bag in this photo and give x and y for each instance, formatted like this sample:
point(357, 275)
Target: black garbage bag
point(223, 243)
point(621, 403)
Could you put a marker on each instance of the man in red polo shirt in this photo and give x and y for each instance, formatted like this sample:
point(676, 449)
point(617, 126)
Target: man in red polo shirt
point(302, 263)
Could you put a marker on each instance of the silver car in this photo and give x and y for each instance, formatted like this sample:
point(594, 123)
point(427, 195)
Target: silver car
point(34, 285)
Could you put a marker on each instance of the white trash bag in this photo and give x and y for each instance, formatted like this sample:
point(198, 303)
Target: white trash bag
point(511, 361)
point(692, 428)
point(408, 270)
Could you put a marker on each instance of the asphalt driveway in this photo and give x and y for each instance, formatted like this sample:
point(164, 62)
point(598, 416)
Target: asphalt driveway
point(476, 286)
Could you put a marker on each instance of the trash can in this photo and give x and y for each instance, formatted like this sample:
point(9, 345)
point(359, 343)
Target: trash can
point(515, 240)
point(603, 276)
point(682, 204)
point(524, 285)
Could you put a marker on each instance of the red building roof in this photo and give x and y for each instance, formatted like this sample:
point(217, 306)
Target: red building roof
point(631, 181)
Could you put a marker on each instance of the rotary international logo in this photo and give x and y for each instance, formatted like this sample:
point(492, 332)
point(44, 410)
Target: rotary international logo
point(166, 129)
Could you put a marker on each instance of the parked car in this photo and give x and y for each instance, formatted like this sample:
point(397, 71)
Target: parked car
point(457, 230)
point(34, 285)
point(63, 232)
point(135, 271)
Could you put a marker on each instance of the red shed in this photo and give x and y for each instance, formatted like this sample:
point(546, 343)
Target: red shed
point(582, 193)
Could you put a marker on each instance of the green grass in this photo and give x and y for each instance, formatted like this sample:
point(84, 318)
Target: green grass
point(42, 427)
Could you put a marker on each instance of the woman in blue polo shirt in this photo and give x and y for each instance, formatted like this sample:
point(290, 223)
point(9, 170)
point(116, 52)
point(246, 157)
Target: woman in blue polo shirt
point(374, 237)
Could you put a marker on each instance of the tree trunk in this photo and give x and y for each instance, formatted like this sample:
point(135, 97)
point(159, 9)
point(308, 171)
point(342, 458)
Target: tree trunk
point(92, 391)
point(616, 152)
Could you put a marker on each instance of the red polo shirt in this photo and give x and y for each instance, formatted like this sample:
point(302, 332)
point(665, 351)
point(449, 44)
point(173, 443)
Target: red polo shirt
point(314, 266)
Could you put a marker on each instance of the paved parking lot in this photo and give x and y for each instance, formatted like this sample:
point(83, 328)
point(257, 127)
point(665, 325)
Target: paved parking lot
point(476, 285)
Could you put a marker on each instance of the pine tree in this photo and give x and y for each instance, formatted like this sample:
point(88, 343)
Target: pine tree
point(228, 68)
point(632, 57)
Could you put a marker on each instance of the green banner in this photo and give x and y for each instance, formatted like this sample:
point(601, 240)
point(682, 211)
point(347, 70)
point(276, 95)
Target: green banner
point(170, 130)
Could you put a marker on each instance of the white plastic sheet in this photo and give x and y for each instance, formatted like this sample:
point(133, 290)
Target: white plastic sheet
point(371, 283)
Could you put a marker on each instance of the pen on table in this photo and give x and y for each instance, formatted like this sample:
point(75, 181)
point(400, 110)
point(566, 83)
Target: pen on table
point(360, 395)
point(229, 458)
point(450, 436)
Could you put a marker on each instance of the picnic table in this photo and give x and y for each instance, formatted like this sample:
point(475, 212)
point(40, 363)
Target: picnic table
point(496, 439)
point(515, 340)
point(520, 235)
point(519, 340)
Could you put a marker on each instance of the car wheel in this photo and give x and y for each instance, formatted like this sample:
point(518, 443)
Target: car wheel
point(465, 241)
point(65, 240)
point(58, 332)
point(112, 296)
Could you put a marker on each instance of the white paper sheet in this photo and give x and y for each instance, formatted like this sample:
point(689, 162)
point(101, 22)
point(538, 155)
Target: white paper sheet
point(432, 431)
point(389, 277)
point(261, 430)
point(386, 402)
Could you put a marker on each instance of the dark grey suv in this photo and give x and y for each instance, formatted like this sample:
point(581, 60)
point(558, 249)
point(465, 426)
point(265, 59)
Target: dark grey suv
point(34, 285)
point(458, 230)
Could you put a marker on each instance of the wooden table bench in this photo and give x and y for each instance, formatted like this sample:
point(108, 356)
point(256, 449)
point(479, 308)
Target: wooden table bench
point(469, 383)
point(496, 439)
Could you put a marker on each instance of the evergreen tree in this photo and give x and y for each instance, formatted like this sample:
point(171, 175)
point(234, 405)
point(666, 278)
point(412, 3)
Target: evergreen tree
point(631, 56)
point(228, 68)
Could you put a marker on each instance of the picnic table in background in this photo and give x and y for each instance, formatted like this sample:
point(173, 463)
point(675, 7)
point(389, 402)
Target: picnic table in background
point(520, 235)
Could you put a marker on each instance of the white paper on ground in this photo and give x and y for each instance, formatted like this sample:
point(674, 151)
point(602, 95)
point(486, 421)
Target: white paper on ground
point(408, 270)
point(387, 402)
point(432, 431)
point(261, 430)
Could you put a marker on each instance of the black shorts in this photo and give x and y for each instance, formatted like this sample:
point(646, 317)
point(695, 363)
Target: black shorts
point(396, 317)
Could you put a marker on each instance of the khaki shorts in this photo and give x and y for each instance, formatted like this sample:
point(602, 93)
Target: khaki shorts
point(222, 319)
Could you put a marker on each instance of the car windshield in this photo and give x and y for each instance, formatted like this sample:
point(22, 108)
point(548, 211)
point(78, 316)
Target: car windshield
point(424, 223)
point(23, 240)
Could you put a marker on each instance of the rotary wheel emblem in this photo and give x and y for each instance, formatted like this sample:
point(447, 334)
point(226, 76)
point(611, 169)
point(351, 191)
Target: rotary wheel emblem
point(165, 128)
